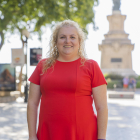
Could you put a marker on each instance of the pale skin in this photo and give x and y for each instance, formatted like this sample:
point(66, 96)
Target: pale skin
point(32, 106)
point(68, 45)
point(100, 100)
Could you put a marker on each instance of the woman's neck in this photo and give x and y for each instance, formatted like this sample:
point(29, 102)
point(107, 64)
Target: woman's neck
point(67, 59)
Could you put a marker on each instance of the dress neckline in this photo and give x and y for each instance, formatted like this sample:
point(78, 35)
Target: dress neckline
point(68, 61)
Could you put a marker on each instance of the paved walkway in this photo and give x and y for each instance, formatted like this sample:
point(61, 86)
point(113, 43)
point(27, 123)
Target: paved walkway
point(13, 123)
point(124, 119)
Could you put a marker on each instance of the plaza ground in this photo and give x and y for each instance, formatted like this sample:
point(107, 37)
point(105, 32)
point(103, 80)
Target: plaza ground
point(123, 124)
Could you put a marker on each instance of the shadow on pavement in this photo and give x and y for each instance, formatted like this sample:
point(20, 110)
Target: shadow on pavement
point(13, 123)
point(124, 122)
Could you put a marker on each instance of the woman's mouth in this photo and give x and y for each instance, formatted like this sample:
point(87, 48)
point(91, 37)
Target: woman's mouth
point(67, 46)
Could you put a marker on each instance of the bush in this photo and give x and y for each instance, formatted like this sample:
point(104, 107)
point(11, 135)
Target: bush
point(110, 85)
point(138, 78)
point(114, 83)
point(132, 76)
point(138, 84)
point(114, 79)
point(113, 76)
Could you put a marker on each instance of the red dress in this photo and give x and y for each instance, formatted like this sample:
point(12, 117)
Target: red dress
point(66, 111)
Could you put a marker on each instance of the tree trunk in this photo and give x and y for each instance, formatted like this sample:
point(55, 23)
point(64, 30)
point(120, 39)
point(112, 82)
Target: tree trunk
point(2, 39)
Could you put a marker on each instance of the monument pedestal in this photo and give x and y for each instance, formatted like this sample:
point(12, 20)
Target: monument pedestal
point(121, 94)
point(123, 72)
point(116, 48)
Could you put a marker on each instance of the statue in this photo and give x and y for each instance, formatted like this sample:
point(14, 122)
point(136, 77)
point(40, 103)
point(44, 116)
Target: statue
point(116, 6)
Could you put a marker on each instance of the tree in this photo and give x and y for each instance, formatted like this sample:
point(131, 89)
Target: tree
point(21, 14)
point(80, 11)
point(15, 16)
point(33, 14)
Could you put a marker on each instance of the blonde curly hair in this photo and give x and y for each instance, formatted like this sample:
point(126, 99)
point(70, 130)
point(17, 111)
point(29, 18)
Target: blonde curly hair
point(53, 52)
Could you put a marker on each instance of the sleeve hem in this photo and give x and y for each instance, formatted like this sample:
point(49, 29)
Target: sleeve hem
point(34, 82)
point(99, 85)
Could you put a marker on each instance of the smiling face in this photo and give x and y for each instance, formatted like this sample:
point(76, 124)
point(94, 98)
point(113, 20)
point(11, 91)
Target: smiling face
point(68, 43)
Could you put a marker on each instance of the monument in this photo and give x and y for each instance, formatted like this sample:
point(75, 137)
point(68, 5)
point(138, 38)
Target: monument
point(116, 48)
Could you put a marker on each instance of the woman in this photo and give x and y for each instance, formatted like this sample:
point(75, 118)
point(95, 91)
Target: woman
point(67, 82)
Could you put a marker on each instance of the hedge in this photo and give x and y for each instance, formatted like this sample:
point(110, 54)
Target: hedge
point(114, 83)
point(138, 84)
point(113, 76)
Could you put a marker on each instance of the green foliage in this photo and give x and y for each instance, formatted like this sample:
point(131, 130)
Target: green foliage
point(138, 78)
point(24, 14)
point(110, 85)
point(132, 76)
point(114, 83)
point(113, 76)
point(113, 79)
point(138, 84)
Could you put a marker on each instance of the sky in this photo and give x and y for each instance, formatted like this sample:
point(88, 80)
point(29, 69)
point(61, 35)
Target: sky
point(130, 8)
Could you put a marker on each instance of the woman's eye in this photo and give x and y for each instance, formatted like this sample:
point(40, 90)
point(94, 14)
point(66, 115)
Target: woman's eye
point(72, 37)
point(62, 37)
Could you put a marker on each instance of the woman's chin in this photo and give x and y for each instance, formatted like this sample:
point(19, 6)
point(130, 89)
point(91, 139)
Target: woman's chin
point(67, 53)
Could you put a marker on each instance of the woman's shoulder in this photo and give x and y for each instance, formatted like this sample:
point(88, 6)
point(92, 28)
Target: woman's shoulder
point(41, 62)
point(90, 62)
point(91, 65)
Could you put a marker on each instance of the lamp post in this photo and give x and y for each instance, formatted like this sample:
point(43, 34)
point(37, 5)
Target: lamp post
point(26, 34)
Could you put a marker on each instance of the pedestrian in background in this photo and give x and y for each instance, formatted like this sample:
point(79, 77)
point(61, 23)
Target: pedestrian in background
point(130, 84)
point(125, 82)
point(67, 83)
point(134, 82)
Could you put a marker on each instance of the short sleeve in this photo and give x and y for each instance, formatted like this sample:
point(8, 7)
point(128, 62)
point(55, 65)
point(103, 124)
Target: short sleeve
point(97, 75)
point(35, 77)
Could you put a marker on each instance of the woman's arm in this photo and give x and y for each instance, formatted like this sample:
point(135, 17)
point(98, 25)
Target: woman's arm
point(100, 99)
point(32, 107)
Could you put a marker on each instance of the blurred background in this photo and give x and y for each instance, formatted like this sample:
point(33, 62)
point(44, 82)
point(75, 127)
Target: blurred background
point(25, 30)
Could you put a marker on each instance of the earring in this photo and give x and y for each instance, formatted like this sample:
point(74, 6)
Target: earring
point(56, 50)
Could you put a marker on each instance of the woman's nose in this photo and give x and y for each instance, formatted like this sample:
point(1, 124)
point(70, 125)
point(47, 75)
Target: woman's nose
point(67, 40)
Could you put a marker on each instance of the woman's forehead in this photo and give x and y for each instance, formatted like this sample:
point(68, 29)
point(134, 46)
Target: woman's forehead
point(68, 30)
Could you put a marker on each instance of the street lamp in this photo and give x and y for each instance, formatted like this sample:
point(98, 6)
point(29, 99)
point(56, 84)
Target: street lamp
point(26, 34)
